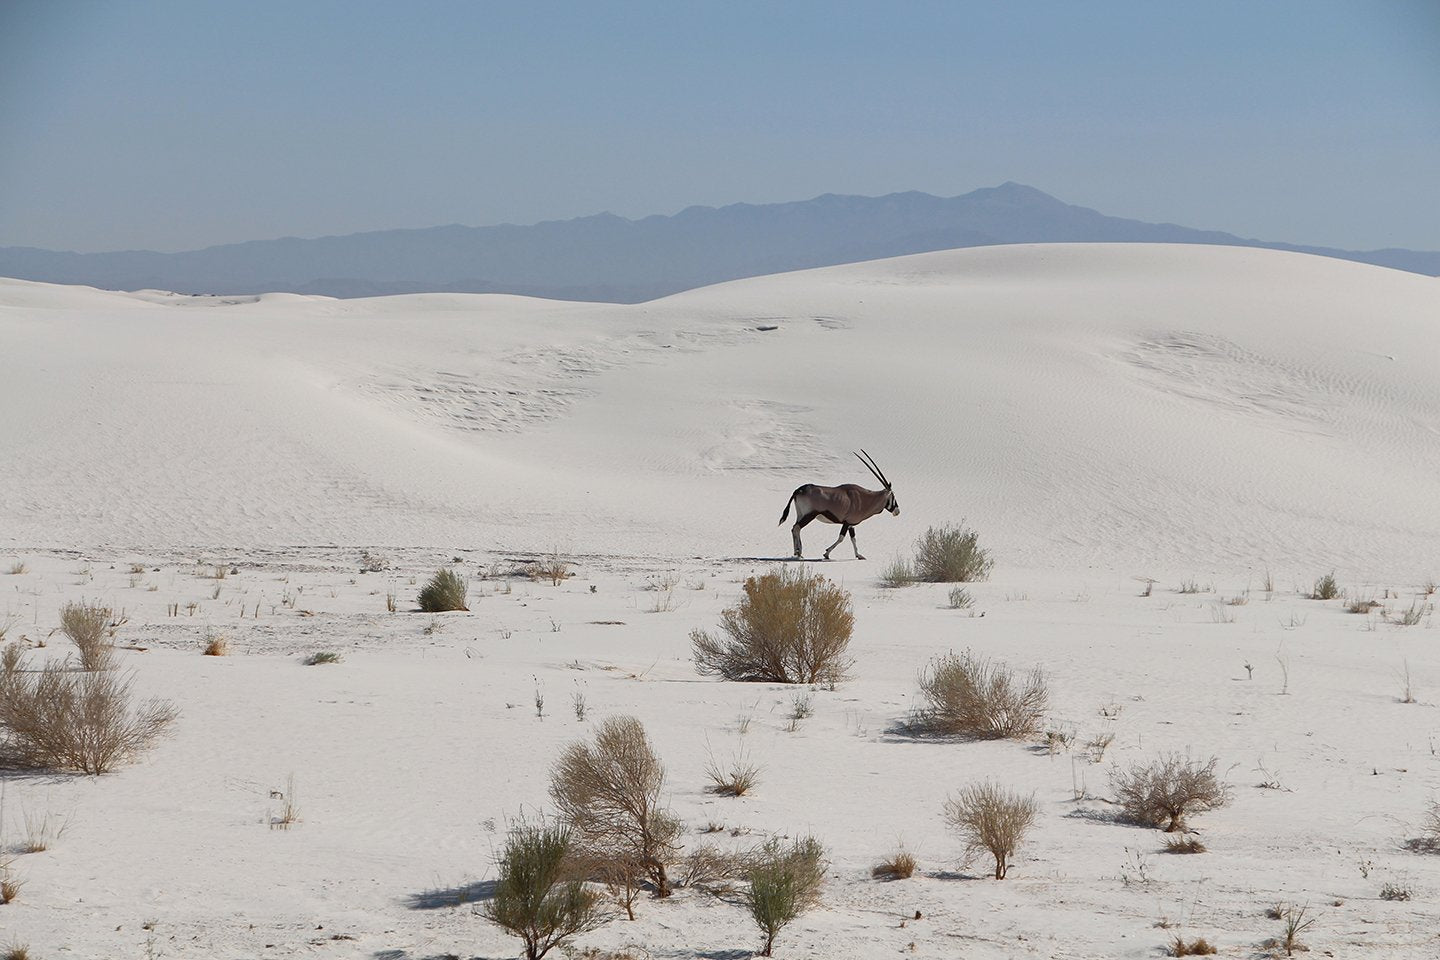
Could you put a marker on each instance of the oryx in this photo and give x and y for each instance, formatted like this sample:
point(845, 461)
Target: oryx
point(847, 505)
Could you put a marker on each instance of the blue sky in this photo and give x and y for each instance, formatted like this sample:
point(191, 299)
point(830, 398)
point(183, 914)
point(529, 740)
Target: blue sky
point(175, 124)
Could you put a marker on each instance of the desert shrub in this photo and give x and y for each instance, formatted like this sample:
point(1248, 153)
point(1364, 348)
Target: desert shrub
point(991, 820)
point(1361, 606)
point(533, 898)
point(1295, 924)
point(217, 647)
point(1395, 891)
point(608, 793)
point(710, 867)
point(899, 866)
point(9, 885)
point(784, 883)
point(16, 951)
point(1199, 947)
point(960, 599)
point(444, 591)
point(951, 555)
point(734, 778)
point(900, 572)
point(790, 627)
point(969, 695)
point(552, 568)
point(1183, 845)
point(61, 719)
point(1326, 588)
point(322, 658)
point(85, 624)
point(1163, 792)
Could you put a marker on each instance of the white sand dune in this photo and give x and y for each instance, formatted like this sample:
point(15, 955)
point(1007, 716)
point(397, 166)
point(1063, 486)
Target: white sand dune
point(1097, 412)
point(1111, 404)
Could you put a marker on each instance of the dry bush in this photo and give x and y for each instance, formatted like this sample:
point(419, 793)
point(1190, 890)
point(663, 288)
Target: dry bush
point(1393, 891)
point(969, 695)
point(446, 590)
point(1361, 606)
point(899, 866)
point(552, 568)
point(735, 778)
point(1183, 845)
point(9, 886)
point(322, 658)
point(17, 568)
point(608, 793)
point(960, 599)
point(790, 627)
point(1199, 947)
point(991, 820)
point(60, 719)
point(784, 883)
point(16, 951)
point(951, 555)
point(709, 867)
point(1163, 792)
point(534, 900)
point(85, 624)
point(217, 647)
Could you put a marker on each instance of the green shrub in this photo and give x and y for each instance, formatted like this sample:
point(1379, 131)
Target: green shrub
point(784, 883)
point(445, 591)
point(951, 555)
point(1326, 588)
point(533, 900)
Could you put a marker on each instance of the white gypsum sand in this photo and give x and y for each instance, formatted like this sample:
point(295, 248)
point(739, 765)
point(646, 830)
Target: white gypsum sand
point(1097, 412)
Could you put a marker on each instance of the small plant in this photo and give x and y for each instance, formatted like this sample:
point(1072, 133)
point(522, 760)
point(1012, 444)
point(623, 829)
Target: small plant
point(1392, 890)
point(1295, 924)
point(1183, 845)
point(991, 819)
point(534, 900)
point(1412, 616)
point(1190, 586)
point(1057, 739)
point(289, 814)
point(1097, 745)
point(951, 554)
point(790, 627)
point(1199, 947)
point(18, 568)
point(42, 830)
point(735, 778)
point(322, 658)
point(1163, 792)
point(554, 569)
point(969, 695)
point(1356, 605)
point(577, 702)
point(16, 951)
point(539, 701)
point(217, 647)
point(899, 866)
point(1326, 588)
point(9, 885)
point(444, 591)
point(783, 884)
point(85, 624)
point(960, 599)
point(900, 572)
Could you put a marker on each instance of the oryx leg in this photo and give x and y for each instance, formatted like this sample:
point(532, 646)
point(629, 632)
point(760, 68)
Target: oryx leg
point(854, 546)
point(844, 529)
point(795, 533)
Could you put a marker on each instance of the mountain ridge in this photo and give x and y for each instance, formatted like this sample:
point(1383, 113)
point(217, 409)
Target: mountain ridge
point(607, 257)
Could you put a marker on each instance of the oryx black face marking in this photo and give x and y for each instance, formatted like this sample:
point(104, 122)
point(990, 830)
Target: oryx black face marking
point(847, 505)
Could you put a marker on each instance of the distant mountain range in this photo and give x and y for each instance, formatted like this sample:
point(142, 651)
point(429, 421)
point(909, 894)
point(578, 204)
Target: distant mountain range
point(610, 258)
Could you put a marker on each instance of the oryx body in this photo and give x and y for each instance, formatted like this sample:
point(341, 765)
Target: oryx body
point(847, 505)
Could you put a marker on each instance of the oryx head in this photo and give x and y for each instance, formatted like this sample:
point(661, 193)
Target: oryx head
point(891, 503)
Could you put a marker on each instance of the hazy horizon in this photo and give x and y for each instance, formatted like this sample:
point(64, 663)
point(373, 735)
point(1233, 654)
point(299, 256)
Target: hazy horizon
point(163, 125)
